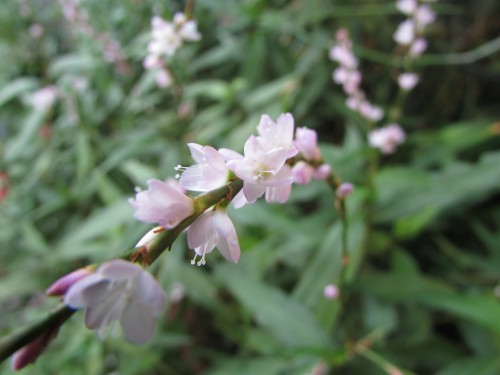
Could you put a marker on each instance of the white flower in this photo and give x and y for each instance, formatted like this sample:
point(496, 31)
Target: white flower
point(209, 173)
point(277, 135)
point(408, 81)
point(44, 98)
point(261, 168)
point(164, 203)
point(405, 33)
point(119, 291)
point(387, 138)
point(406, 6)
point(213, 229)
point(417, 47)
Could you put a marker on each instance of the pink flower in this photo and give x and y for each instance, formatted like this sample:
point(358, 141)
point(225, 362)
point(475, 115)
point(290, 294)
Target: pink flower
point(331, 291)
point(209, 173)
point(163, 78)
point(417, 47)
point(322, 172)
point(164, 203)
point(387, 138)
point(406, 6)
point(261, 168)
point(302, 172)
point(306, 141)
point(277, 135)
point(405, 33)
point(213, 229)
point(119, 291)
point(344, 190)
point(408, 81)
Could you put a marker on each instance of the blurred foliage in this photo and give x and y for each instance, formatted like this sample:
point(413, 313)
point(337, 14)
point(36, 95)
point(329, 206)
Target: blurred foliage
point(424, 271)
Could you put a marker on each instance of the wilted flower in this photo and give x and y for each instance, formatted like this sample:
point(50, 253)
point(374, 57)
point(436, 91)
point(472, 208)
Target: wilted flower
point(119, 291)
point(164, 203)
point(213, 229)
point(387, 138)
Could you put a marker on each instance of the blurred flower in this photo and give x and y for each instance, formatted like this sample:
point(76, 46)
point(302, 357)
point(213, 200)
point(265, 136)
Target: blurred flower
point(213, 229)
point(302, 173)
point(387, 138)
point(36, 30)
point(44, 98)
point(406, 6)
point(405, 33)
point(209, 173)
point(164, 203)
point(306, 141)
point(119, 291)
point(350, 77)
point(163, 78)
point(322, 172)
point(331, 291)
point(417, 47)
point(344, 190)
point(177, 292)
point(31, 351)
point(61, 285)
point(408, 81)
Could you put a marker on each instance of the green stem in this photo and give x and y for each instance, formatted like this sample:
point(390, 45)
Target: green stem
point(16, 340)
point(147, 254)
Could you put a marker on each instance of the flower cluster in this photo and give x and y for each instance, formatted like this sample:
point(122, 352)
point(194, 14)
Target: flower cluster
point(167, 37)
point(410, 32)
point(272, 160)
point(348, 75)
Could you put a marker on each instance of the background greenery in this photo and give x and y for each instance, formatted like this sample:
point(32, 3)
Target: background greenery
point(424, 278)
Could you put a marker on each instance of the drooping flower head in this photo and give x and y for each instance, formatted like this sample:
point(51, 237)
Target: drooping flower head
point(119, 291)
point(164, 203)
point(213, 229)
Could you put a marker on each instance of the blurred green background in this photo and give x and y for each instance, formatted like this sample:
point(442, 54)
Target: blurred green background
point(424, 280)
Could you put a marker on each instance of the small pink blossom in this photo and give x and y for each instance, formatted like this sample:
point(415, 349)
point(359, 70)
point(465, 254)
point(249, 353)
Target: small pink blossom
point(322, 172)
point(306, 141)
point(302, 172)
point(119, 291)
point(417, 47)
point(407, 81)
point(163, 78)
point(331, 291)
point(405, 33)
point(44, 98)
point(407, 6)
point(164, 203)
point(213, 229)
point(261, 168)
point(387, 138)
point(279, 134)
point(424, 16)
point(209, 173)
point(344, 190)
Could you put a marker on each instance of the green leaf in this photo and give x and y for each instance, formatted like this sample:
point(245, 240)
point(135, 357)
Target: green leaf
point(291, 323)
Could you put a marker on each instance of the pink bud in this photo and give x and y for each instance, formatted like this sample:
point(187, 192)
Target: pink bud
point(331, 291)
point(30, 352)
point(322, 172)
point(344, 190)
point(302, 173)
point(61, 286)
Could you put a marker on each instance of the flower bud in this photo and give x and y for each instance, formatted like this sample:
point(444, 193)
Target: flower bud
point(61, 286)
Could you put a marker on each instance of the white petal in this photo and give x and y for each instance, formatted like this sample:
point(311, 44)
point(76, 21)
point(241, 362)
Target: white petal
point(89, 288)
point(201, 231)
point(278, 194)
point(282, 178)
point(149, 292)
point(197, 152)
point(119, 269)
point(228, 244)
point(137, 323)
point(253, 191)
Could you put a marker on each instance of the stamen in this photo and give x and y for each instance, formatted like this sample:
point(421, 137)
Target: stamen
point(193, 261)
point(202, 261)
